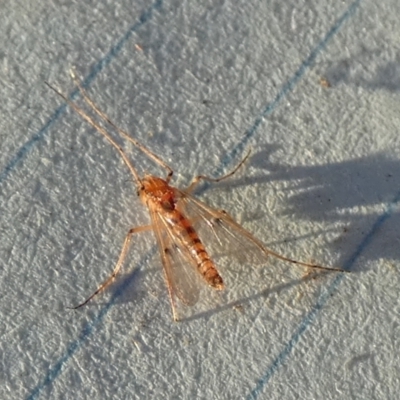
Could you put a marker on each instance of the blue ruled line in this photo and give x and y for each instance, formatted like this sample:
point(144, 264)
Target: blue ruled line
point(88, 329)
point(309, 318)
point(114, 51)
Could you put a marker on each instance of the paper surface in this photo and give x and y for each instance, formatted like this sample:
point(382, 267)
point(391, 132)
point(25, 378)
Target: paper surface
point(311, 88)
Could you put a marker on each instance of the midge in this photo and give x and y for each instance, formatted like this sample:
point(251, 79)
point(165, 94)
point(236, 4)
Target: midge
point(180, 223)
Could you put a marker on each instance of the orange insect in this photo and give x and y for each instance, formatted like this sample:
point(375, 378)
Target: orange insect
point(180, 223)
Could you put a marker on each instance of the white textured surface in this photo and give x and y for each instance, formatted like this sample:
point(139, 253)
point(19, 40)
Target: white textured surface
point(322, 177)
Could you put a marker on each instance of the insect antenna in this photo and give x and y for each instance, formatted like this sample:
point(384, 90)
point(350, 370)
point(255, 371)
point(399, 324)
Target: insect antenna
point(124, 134)
point(100, 129)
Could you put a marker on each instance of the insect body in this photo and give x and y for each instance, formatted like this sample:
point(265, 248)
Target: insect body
point(177, 219)
point(162, 201)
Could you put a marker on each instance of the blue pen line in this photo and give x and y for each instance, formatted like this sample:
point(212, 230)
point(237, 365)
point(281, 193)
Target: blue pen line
point(309, 318)
point(113, 52)
point(287, 87)
point(88, 329)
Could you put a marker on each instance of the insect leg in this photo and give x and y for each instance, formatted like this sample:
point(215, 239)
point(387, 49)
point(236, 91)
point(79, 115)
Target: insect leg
point(120, 261)
point(171, 294)
point(198, 178)
point(230, 224)
point(165, 258)
point(124, 134)
point(224, 216)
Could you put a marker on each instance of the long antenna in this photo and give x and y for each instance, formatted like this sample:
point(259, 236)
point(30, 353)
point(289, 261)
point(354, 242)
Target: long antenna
point(124, 134)
point(92, 122)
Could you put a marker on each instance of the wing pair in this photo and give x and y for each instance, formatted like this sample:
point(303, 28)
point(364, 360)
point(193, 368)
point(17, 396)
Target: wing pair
point(220, 235)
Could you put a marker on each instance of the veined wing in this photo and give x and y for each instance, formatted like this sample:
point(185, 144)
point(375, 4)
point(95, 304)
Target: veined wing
point(220, 234)
point(225, 237)
point(180, 270)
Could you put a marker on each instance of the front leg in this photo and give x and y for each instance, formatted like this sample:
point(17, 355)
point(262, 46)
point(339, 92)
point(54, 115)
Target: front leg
point(198, 178)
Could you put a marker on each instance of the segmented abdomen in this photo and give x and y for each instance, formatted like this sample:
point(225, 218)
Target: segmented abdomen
point(187, 236)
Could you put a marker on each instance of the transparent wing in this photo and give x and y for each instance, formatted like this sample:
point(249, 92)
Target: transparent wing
point(220, 234)
point(180, 271)
point(225, 237)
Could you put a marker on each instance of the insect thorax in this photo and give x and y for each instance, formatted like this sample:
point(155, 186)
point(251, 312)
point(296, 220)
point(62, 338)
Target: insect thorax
point(158, 194)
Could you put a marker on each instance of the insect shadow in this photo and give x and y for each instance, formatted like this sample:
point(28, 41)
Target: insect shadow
point(190, 234)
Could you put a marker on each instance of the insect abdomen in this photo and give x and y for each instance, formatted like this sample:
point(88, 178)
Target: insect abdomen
point(188, 237)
